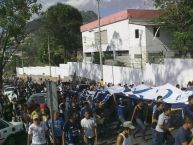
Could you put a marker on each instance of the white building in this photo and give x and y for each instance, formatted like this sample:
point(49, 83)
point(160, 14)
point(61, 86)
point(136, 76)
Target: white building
point(130, 37)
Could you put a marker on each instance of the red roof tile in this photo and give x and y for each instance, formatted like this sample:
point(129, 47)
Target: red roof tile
point(137, 14)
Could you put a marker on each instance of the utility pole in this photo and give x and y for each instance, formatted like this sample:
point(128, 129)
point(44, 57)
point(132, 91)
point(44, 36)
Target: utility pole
point(114, 58)
point(100, 45)
point(49, 57)
point(141, 51)
point(50, 103)
point(22, 63)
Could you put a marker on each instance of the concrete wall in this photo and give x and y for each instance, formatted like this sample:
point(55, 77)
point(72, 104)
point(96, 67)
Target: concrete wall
point(121, 37)
point(156, 44)
point(136, 45)
point(172, 71)
point(62, 70)
point(117, 36)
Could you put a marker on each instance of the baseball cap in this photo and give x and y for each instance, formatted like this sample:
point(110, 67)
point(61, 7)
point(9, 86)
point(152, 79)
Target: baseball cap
point(128, 124)
point(35, 117)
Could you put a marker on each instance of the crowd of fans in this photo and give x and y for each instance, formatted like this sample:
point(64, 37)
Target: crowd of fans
point(81, 121)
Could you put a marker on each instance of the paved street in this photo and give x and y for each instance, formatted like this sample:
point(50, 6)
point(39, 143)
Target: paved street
point(110, 137)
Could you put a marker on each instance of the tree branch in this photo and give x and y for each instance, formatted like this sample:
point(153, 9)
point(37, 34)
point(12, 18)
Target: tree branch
point(12, 53)
point(5, 61)
point(3, 50)
point(1, 38)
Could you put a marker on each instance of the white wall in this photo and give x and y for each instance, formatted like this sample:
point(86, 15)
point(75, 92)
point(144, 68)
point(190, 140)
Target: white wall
point(173, 71)
point(156, 44)
point(121, 36)
point(117, 35)
point(136, 45)
point(86, 70)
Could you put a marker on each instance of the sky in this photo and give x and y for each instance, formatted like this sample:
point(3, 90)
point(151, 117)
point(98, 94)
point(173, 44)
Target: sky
point(107, 7)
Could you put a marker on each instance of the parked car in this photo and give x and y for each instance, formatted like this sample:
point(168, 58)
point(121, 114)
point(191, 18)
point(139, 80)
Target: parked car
point(5, 86)
point(9, 92)
point(8, 131)
point(39, 98)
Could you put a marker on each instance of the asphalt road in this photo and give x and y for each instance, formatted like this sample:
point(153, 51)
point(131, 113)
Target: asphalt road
point(110, 135)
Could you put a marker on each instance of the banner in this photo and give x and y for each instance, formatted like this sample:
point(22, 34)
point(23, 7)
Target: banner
point(52, 96)
point(169, 93)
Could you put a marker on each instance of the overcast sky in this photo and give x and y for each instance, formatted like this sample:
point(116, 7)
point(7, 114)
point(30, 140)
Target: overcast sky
point(107, 6)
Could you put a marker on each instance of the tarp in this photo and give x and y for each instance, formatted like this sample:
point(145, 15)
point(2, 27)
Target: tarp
point(181, 98)
point(102, 95)
point(169, 93)
point(114, 89)
point(140, 89)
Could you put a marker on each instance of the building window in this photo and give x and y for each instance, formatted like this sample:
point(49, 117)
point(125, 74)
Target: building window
point(84, 39)
point(138, 56)
point(108, 54)
point(104, 39)
point(122, 53)
point(136, 33)
point(156, 32)
point(88, 54)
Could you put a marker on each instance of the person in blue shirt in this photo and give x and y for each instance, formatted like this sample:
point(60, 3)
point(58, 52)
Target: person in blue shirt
point(71, 131)
point(86, 107)
point(58, 125)
point(189, 108)
point(184, 134)
point(121, 111)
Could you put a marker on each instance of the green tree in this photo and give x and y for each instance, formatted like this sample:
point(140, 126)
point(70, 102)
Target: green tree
point(30, 51)
point(14, 14)
point(88, 16)
point(35, 47)
point(177, 15)
point(62, 24)
point(15, 61)
point(56, 50)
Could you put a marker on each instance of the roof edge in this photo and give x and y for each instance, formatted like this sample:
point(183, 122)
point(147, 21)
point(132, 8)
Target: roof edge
point(143, 14)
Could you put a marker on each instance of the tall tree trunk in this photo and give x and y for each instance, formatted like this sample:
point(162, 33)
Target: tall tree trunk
point(1, 77)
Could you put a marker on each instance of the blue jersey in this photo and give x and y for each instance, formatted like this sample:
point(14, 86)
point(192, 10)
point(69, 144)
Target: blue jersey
point(58, 126)
point(188, 110)
point(120, 110)
point(72, 132)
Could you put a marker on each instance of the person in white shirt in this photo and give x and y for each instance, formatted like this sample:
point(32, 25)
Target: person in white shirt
point(89, 129)
point(159, 99)
point(38, 132)
point(163, 130)
point(124, 138)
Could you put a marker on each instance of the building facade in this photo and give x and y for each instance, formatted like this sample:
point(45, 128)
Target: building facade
point(128, 38)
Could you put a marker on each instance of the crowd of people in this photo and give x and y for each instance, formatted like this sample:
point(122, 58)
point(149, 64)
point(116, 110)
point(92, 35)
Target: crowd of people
point(80, 121)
